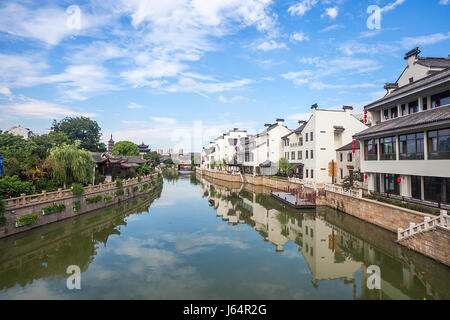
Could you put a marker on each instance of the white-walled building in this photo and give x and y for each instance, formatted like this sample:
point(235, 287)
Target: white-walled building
point(407, 150)
point(315, 142)
point(21, 131)
point(259, 154)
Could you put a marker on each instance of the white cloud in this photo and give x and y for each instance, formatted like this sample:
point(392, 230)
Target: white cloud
point(332, 12)
point(298, 36)
point(444, 2)
point(234, 99)
point(5, 91)
point(270, 45)
point(41, 110)
point(165, 121)
point(191, 85)
point(410, 42)
point(302, 7)
point(133, 105)
point(392, 6)
point(332, 28)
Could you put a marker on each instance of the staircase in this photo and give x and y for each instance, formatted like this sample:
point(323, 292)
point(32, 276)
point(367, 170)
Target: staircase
point(443, 220)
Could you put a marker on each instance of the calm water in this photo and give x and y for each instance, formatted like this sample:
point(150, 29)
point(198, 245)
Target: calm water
point(203, 240)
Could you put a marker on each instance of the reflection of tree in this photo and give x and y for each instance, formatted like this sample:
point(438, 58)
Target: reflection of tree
point(193, 179)
point(48, 251)
point(171, 175)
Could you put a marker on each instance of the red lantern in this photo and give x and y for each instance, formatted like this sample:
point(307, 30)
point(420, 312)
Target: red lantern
point(365, 111)
point(399, 180)
point(107, 163)
point(366, 176)
point(354, 151)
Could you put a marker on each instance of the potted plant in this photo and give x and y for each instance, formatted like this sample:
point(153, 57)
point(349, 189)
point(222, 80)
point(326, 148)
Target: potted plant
point(26, 220)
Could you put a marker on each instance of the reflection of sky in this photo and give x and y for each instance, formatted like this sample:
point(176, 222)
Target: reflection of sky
point(183, 251)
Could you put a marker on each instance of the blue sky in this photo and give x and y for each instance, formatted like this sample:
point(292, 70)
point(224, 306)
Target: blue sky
point(176, 73)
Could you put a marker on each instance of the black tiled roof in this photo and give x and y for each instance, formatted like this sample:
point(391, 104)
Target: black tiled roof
point(298, 130)
point(434, 62)
point(102, 157)
point(441, 114)
point(349, 146)
point(443, 75)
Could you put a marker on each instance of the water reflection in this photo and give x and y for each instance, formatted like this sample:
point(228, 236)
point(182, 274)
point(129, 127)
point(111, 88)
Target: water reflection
point(333, 244)
point(45, 253)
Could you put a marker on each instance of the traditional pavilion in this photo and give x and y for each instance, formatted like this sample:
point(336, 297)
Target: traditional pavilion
point(112, 166)
point(143, 148)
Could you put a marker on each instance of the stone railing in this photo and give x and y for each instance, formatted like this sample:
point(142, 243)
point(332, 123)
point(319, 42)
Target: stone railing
point(25, 200)
point(442, 220)
point(337, 189)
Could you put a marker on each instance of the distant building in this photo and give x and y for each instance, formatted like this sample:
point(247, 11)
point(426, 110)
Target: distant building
point(169, 151)
point(143, 148)
point(110, 145)
point(21, 131)
point(348, 162)
point(159, 151)
point(114, 166)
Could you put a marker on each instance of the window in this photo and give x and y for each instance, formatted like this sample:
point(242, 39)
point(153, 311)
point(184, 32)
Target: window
point(413, 107)
point(425, 104)
point(388, 148)
point(349, 157)
point(394, 112)
point(378, 182)
point(267, 142)
point(386, 114)
point(299, 155)
point(307, 173)
point(370, 149)
point(306, 154)
point(312, 174)
point(391, 184)
point(286, 143)
point(411, 146)
point(306, 138)
point(411, 80)
point(312, 136)
point(416, 187)
point(341, 157)
point(293, 155)
point(440, 99)
point(439, 144)
point(312, 154)
point(342, 173)
point(436, 189)
point(403, 110)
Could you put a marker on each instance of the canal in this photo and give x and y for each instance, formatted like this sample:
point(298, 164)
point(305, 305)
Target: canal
point(198, 239)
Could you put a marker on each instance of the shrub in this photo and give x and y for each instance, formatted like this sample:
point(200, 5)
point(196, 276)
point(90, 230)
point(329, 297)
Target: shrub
point(15, 187)
point(93, 199)
point(108, 198)
point(77, 189)
point(139, 178)
point(146, 185)
point(26, 220)
point(134, 189)
point(2, 207)
point(76, 206)
point(119, 183)
point(53, 208)
point(402, 204)
point(120, 192)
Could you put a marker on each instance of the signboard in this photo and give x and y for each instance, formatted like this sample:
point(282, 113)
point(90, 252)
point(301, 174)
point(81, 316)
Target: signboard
point(1, 166)
point(332, 169)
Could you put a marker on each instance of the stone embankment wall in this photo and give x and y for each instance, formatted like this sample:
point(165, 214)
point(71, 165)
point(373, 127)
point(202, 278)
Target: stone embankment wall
point(434, 243)
point(22, 206)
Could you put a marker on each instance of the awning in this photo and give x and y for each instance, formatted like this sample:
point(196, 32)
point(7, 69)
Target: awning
point(296, 165)
point(266, 164)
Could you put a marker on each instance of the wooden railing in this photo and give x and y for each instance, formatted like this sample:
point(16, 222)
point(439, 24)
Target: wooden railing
point(338, 189)
point(442, 220)
point(25, 200)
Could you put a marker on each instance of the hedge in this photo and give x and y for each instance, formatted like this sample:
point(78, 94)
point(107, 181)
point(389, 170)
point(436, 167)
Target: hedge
point(93, 199)
point(77, 189)
point(120, 192)
point(407, 205)
point(53, 208)
point(26, 220)
point(108, 198)
point(76, 206)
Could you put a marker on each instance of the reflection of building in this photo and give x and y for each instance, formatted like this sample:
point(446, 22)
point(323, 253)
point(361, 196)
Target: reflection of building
point(406, 152)
point(21, 131)
point(331, 251)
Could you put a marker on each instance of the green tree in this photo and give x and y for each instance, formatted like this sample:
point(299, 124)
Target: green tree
point(19, 155)
point(83, 129)
point(168, 161)
point(153, 156)
point(13, 187)
point(45, 142)
point(71, 164)
point(285, 167)
point(125, 148)
point(349, 181)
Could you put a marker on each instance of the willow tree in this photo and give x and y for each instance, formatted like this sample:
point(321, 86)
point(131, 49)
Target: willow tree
point(71, 164)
